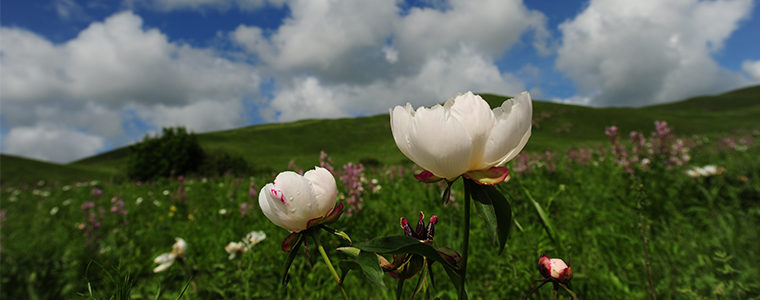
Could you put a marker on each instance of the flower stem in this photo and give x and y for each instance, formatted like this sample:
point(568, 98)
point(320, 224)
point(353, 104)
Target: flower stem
point(329, 264)
point(465, 238)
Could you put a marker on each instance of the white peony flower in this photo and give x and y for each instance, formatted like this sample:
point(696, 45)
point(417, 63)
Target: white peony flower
point(464, 136)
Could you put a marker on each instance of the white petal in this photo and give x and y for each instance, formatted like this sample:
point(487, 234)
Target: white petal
point(254, 237)
point(439, 143)
point(511, 132)
point(400, 119)
point(476, 117)
point(163, 267)
point(288, 202)
point(164, 258)
point(179, 247)
point(325, 191)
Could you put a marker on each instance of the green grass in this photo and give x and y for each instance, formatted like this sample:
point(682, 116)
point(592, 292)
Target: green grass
point(702, 235)
point(557, 127)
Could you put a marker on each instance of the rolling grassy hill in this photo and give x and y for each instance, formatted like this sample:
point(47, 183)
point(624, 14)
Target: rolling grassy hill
point(556, 126)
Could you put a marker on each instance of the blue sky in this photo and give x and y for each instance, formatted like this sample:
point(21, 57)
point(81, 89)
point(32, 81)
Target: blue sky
point(80, 77)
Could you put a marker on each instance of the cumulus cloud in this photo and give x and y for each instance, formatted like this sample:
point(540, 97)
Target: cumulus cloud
point(85, 85)
point(38, 141)
point(200, 5)
point(645, 52)
point(752, 68)
point(442, 76)
point(340, 58)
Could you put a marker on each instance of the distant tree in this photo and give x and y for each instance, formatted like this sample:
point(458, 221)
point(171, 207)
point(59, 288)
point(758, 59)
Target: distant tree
point(174, 152)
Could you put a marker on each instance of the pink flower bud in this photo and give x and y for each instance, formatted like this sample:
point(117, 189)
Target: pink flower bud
point(555, 268)
point(544, 266)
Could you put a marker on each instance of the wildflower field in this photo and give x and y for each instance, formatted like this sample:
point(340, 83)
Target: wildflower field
point(93, 239)
point(645, 214)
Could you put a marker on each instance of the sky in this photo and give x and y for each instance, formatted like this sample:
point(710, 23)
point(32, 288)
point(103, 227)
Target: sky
point(82, 77)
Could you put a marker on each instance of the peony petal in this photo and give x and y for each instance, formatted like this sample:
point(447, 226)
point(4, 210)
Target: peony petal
point(476, 117)
point(400, 119)
point(511, 132)
point(324, 189)
point(427, 177)
point(490, 176)
point(289, 201)
point(439, 143)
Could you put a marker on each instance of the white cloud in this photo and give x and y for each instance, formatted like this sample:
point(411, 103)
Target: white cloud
point(89, 82)
point(200, 5)
point(362, 58)
point(441, 77)
point(37, 141)
point(752, 68)
point(489, 26)
point(649, 51)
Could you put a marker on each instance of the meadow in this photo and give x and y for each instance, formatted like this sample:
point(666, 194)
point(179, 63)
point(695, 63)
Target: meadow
point(626, 225)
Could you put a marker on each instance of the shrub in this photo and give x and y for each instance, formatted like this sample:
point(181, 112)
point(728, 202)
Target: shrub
point(220, 163)
point(175, 152)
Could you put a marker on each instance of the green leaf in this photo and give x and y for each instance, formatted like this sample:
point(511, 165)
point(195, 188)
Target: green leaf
point(371, 268)
point(367, 263)
point(399, 244)
point(405, 244)
point(494, 208)
point(338, 233)
point(546, 221)
point(289, 260)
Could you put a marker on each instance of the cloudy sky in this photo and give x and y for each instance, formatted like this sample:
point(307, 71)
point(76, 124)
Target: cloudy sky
point(81, 77)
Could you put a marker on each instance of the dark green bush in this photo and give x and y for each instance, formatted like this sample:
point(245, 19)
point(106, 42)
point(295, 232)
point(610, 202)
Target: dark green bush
point(220, 163)
point(175, 152)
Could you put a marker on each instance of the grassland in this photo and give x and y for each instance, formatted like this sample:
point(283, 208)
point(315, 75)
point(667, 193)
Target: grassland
point(95, 239)
point(557, 127)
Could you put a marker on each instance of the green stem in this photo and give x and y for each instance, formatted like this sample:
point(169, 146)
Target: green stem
point(329, 264)
point(465, 238)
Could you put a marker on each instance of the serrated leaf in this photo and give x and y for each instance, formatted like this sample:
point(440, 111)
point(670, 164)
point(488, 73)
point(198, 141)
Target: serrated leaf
point(495, 210)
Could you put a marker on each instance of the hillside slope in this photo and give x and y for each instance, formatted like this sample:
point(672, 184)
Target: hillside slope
point(556, 126)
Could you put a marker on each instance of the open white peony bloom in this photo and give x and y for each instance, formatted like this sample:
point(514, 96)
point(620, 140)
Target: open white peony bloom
point(464, 136)
point(167, 259)
point(292, 201)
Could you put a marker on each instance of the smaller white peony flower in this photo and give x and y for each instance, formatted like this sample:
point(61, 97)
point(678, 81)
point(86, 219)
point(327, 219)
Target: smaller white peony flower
point(294, 202)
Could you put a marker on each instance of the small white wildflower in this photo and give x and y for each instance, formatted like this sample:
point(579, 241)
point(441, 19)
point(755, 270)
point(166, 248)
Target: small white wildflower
point(166, 192)
point(235, 249)
point(54, 210)
point(156, 203)
point(222, 211)
point(139, 200)
point(66, 188)
point(167, 259)
point(254, 237)
point(67, 202)
point(93, 183)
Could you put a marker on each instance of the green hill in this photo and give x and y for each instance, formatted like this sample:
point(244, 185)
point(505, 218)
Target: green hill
point(556, 126)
